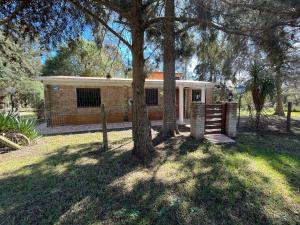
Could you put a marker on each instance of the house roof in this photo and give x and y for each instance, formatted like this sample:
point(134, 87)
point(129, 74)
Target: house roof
point(158, 75)
point(99, 81)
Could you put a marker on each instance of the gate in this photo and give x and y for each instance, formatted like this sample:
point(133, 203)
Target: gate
point(215, 118)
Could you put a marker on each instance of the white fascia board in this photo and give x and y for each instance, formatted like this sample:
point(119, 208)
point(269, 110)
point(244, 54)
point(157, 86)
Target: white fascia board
point(194, 84)
point(96, 81)
point(84, 81)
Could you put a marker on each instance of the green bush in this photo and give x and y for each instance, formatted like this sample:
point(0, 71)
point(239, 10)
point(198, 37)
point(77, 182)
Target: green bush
point(10, 124)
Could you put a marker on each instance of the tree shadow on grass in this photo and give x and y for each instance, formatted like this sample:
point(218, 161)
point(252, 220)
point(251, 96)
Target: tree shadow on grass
point(40, 193)
point(204, 191)
point(190, 144)
point(232, 198)
point(188, 182)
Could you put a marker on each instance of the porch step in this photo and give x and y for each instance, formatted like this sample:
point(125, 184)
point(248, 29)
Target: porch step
point(218, 139)
point(213, 105)
point(213, 121)
point(213, 126)
point(213, 131)
point(213, 116)
point(213, 111)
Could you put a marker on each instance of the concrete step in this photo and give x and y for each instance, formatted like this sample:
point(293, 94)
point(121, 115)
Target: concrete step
point(213, 131)
point(219, 139)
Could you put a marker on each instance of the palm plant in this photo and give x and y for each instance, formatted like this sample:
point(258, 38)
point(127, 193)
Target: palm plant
point(261, 85)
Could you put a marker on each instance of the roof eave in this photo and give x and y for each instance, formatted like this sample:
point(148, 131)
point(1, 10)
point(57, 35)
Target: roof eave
point(93, 81)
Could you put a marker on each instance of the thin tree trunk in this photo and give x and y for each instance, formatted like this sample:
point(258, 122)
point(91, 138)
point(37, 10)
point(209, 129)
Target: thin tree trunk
point(288, 117)
point(141, 131)
point(169, 119)
point(6, 142)
point(104, 127)
point(214, 76)
point(259, 102)
point(279, 99)
point(210, 73)
point(257, 120)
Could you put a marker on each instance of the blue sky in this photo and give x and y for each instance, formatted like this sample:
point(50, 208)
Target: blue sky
point(125, 52)
point(88, 35)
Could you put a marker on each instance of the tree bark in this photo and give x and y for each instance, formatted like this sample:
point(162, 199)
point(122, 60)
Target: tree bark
point(279, 99)
point(257, 120)
point(288, 117)
point(169, 118)
point(210, 73)
point(141, 131)
point(259, 102)
point(104, 127)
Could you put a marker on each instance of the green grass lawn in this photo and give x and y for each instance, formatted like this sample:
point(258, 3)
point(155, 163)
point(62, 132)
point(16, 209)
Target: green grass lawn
point(270, 111)
point(65, 179)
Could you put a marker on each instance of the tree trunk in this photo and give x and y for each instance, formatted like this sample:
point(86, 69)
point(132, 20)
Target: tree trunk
point(257, 120)
point(141, 131)
point(279, 99)
point(6, 142)
point(259, 102)
point(104, 127)
point(210, 73)
point(169, 119)
point(288, 117)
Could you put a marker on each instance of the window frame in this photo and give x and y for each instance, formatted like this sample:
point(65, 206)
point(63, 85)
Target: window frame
point(152, 103)
point(94, 103)
point(200, 92)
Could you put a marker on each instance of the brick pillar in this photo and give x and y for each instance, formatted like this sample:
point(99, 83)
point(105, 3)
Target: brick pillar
point(197, 119)
point(231, 119)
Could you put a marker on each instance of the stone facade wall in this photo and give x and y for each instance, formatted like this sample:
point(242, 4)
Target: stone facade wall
point(231, 119)
point(61, 106)
point(197, 120)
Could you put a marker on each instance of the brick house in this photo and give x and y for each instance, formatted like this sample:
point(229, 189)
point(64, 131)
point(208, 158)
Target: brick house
point(76, 100)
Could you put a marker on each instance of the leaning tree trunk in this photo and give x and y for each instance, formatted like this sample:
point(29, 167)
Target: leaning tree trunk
point(141, 132)
point(169, 119)
point(279, 99)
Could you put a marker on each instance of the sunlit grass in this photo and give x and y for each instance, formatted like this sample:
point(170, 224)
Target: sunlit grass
point(270, 112)
point(66, 179)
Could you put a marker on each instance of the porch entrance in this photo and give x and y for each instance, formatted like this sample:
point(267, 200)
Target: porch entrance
point(215, 119)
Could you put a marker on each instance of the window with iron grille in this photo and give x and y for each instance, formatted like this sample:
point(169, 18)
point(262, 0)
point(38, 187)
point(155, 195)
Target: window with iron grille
point(151, 96)
point(196, 95)
point(88, 97)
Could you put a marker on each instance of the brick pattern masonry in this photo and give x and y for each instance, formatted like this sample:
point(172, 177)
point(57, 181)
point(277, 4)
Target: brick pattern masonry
point(61, 105)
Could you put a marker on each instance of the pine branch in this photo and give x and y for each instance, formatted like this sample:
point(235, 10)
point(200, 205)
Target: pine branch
point(19, 8)
point(104, 23)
